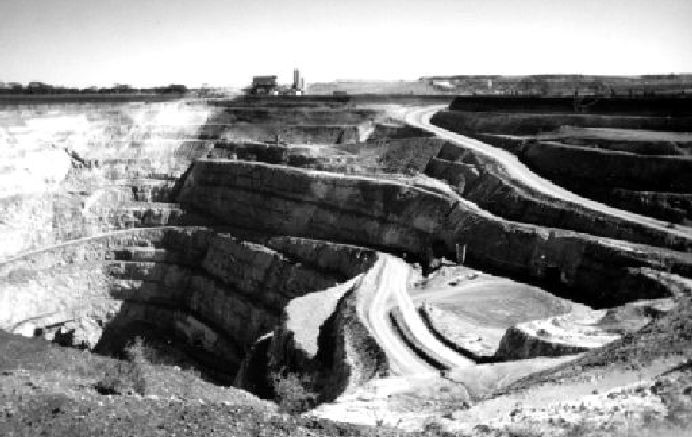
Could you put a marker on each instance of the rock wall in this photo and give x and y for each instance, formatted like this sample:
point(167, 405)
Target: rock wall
point(483, 182)
point(74, 170)
point(406, 218)
point(315, 204)
point(641, 106)
point(295, 134)
point(622, 168)
point(572, 166)
point(299, 115)
point(673, 207)
point(570, 333)
point(321, 336)
point(580, 330)
point(519, 123)
point(216, 292)
point(520, 345)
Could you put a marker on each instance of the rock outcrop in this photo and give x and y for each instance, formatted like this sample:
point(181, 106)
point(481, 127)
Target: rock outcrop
point(612, 159)
point(216, 292)
point(320, 335)
point(579, 330)
point(572, 166)
point(413, 219)
point(73, 170)
point(483, 182)
point(560, 335)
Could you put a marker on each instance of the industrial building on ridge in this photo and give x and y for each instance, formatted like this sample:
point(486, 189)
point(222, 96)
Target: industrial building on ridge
point(264, 85)
point(269, 85)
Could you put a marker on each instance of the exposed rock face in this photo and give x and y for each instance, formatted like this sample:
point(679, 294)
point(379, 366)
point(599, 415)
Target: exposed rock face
point(560, 335)
point(674, 207)
point(483, 182)
point(639, 170)
point(320, 134)
point(408, 155)
point(633, 316)
point(458, 175)
point(315, 204)
point(77, 170)
point(669, 106)
point(321, 335)
point(520, 123)
point(413, 219)
point(517, 344)
point(655, 185)
point(267, 303)
point(571, 166)
point(215, 291)
point(580, 330)
point(255, 121)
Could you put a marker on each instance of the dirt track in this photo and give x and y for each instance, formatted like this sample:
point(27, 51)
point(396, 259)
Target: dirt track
point(391, 291)
point(420, 117)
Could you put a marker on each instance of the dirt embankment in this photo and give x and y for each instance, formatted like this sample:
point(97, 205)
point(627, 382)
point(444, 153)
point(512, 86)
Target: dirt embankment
point(422, 222)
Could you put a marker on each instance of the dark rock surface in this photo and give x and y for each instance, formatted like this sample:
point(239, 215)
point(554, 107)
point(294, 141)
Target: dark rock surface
point(411, 219)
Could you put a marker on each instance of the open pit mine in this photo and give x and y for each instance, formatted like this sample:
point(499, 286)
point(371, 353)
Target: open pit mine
point(474, 268)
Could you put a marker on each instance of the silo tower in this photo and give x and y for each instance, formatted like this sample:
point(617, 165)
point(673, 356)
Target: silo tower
point(297, 80)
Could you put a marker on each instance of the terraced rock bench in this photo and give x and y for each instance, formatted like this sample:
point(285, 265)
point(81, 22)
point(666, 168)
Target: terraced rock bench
point(213, 291)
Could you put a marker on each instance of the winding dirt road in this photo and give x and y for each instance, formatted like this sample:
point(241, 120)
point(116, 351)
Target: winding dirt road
point(420, 117)
point(388, 281)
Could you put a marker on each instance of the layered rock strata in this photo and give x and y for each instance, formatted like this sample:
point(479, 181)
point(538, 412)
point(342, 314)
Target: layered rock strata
point(483, 182)
point(216, 292)
point(77, 170)
point(613, 159)
point(413, 219)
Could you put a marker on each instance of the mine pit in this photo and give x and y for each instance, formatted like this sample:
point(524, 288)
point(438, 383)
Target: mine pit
point(249, 241)
point(210, 291)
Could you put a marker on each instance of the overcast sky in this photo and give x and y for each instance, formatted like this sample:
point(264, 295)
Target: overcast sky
point(225, 42)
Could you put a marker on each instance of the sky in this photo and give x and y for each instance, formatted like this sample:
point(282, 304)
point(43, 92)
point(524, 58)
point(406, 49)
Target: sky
point(226, 42)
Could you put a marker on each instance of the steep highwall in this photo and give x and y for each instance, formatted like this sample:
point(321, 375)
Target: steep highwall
point(591, 169)
point(216, 292)
point(674, 207)
point(518, 345)
point(572, 166)
point(296, 134)
point(321, 336)
point(519, 123)
point(294, 116)
point(484, 182)
point(615, 105)
point(74, 170)
point(407, 218)
point(315, 204)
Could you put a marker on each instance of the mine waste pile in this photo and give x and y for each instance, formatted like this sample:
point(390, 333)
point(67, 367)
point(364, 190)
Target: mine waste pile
point(317, 266)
